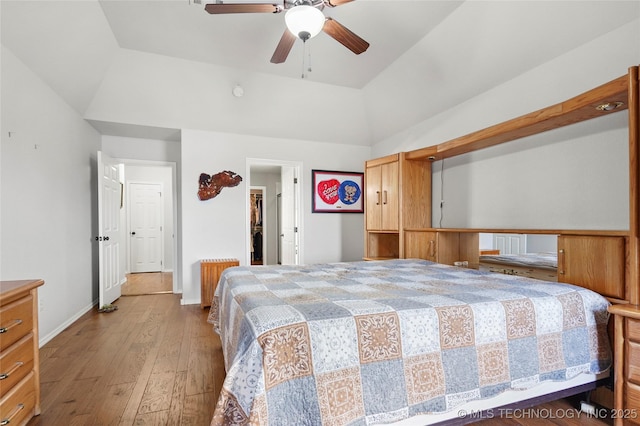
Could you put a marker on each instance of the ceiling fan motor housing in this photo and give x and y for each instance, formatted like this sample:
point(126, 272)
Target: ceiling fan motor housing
point(304, 35)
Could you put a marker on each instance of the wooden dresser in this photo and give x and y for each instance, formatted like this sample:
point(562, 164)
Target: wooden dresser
point(627, 364)
point(19, 359)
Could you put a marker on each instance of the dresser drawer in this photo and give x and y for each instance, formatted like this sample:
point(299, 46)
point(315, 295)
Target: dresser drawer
point(633, 329)
point(18, 405)
point(632, 404)
point(16, 321)
point(15, 363)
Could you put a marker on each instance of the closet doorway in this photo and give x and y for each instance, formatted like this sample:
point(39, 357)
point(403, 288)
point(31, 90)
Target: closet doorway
point(258, 224)
point(280, 214)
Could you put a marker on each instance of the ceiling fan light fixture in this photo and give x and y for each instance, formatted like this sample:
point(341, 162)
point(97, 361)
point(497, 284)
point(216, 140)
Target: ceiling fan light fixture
point(304, 22)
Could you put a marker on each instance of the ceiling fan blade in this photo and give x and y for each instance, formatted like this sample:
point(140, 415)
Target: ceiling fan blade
point(284, 47)
point(345, 36)
point(334, 3)
point(220, 8)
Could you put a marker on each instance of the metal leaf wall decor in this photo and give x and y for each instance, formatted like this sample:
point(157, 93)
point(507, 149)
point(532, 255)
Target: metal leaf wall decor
point(210, 186)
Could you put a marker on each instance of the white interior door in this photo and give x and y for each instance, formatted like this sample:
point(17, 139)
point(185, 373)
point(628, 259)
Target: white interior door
point(510, 243)
point(109, 202)
point(288, 215)
point(145, 226)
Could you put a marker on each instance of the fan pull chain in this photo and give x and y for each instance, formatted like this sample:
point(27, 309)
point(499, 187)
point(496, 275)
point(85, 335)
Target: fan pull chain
point(304, 49)
point(306, 59)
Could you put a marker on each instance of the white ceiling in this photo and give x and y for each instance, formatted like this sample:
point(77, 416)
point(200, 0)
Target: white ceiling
point(247, 41)
point(71, 44)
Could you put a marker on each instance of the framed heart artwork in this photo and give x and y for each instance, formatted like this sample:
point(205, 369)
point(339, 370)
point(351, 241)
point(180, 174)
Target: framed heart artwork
point(337, 192)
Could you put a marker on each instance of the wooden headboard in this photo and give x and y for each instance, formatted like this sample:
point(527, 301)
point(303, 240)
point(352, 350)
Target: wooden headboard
point(622, 247)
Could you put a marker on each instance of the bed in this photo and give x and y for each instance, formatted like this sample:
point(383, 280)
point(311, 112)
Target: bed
point(541, 266)
point(378, 342)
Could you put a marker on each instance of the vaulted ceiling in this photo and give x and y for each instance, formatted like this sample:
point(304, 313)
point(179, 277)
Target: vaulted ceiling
point(448, 50)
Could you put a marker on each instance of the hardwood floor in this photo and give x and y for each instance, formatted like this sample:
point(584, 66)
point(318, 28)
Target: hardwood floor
point(156, 362)
point(151, 362)
point(148, 283)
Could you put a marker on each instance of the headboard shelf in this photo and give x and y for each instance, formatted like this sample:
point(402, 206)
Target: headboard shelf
point(579, 108)
point(608, 233)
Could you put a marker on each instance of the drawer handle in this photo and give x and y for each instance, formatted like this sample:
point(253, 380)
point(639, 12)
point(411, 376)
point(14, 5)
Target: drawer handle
point(10, 372)
point(6, 421)
point(9, 327)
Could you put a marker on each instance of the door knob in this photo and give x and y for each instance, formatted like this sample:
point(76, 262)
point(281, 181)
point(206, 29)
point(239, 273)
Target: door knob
point(133, 233)
point(106, 238)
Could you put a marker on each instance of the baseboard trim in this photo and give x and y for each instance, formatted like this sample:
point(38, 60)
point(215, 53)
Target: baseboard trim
point(43, 340)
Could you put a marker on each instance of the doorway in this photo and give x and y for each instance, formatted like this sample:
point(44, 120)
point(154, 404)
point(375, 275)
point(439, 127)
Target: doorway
point(281, 213)
point(164, 174)
point(258, 224)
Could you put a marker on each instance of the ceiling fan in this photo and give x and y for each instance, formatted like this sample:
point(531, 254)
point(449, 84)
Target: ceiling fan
point(295, 10)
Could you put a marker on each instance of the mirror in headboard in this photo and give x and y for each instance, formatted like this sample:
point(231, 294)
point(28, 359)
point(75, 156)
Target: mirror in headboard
point(528, 255)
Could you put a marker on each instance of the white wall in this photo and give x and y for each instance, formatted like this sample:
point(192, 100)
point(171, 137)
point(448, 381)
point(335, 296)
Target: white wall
point(568, 182)
point(141, 149)
point(49, 197)
point(216, 228)
point(577, 180)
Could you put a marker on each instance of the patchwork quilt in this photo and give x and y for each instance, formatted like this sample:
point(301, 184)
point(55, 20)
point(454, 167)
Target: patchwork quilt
point(379, 341)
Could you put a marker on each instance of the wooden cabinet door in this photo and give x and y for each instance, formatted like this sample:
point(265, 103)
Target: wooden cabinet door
point(420, 245)
point(373, 180)
point(593, 262)
point(382, 204)
point(441, 247)
point(390, 198)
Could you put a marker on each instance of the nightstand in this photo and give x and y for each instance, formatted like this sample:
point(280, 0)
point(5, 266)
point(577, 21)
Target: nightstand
point(626, 355)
